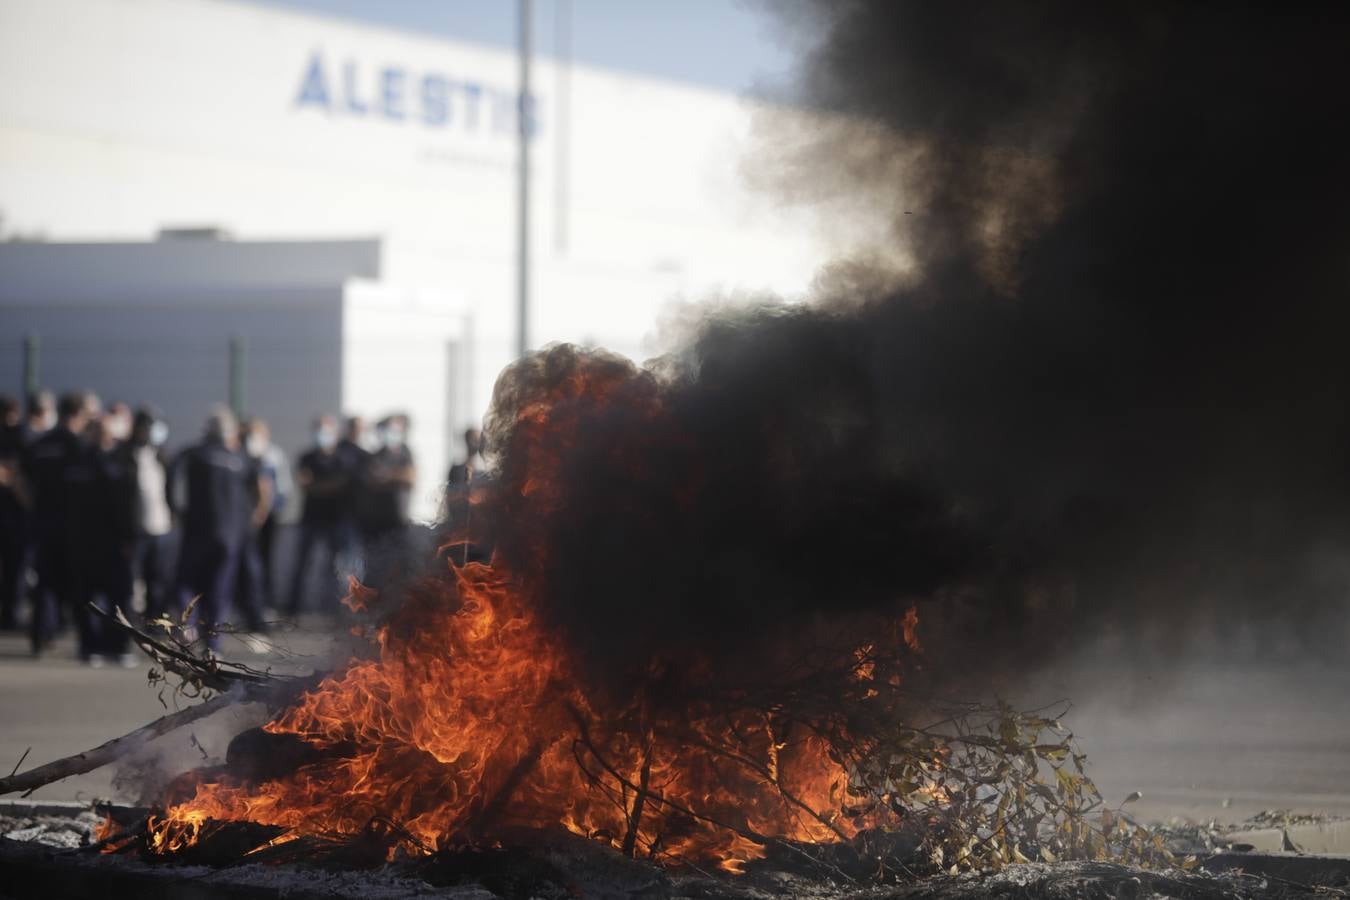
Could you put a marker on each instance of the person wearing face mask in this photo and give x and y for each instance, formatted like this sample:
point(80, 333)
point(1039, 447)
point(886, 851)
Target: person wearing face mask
point(117, 422)
point(324, 478)
point(153, 519)
point(40, 416)
point(390, 475)
point(215, 510)
point(275, 478)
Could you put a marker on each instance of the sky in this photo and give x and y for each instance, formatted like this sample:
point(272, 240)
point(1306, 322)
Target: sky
point(731, 45)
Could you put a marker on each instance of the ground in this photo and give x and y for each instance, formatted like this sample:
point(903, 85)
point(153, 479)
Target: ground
point(1201, 741)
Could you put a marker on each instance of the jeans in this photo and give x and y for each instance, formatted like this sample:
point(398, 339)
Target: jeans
point(150, 563)
point(206, 569)
point(335, 541)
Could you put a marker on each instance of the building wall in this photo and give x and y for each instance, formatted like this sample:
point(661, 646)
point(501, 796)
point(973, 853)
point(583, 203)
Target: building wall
point(152, 322)
point(131, 115)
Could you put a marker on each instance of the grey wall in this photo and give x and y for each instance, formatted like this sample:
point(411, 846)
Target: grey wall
point(177, 356)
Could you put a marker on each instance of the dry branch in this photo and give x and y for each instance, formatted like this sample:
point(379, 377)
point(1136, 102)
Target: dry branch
point(111, 750)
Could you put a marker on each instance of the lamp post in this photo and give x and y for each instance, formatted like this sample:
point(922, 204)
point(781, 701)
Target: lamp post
point(523, 186)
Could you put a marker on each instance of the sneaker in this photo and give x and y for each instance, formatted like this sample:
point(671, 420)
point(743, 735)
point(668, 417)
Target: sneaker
point(128, 660)
point(95, 661)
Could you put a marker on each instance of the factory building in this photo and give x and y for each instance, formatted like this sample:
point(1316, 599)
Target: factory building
point(205, 200)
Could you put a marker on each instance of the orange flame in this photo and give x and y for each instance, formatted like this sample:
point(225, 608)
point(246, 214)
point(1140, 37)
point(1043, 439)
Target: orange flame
point(472, 721)
point(473, 718)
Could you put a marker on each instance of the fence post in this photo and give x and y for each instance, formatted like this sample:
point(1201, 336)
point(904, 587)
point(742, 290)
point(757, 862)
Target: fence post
point(32, 375)
point(238, 365)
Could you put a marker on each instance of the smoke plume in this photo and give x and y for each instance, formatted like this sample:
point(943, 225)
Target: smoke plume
point(1089, 378)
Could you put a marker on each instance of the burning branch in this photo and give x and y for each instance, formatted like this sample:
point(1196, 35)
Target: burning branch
point(111, 750)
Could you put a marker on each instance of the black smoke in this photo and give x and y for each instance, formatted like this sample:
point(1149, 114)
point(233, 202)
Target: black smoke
point(1091, 377)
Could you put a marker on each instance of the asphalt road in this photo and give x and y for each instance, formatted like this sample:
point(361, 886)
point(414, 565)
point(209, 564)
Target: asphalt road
point(1200, 741)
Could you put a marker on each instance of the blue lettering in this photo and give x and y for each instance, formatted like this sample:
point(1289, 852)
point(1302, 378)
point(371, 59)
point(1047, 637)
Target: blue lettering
point(473, 92)
point(314, 88)
point(435, 100)
point(354, 104)
point(391, 93)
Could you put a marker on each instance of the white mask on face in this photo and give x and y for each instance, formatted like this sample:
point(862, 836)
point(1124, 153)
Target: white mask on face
point(255, 445)
point(325, 438)
point(159, 433)
point(119, 428)
point(391, 437)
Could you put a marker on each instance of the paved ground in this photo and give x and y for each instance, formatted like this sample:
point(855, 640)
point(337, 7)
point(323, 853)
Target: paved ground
point(1203, 741)
point(1214, 740)
point(57, 706)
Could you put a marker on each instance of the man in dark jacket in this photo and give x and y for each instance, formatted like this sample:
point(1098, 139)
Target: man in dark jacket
point(326, 478)
point(390, 476)
point(59, 473)
point(215, 510)
point(12, 513)
point(112, 539)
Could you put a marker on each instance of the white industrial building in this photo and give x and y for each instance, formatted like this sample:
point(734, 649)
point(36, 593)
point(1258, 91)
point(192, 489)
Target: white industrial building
point(353, 195)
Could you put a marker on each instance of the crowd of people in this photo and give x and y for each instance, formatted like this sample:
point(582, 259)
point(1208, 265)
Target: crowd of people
point(95, 515)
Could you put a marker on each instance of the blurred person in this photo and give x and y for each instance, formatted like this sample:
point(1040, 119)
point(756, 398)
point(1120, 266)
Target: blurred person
point(12, 513)
point(275, 471)
point(111, 536)
point(472, 544)
point(40, 416)
point(355, 449)
point(59, 473)
point(153, 517)
point(215, 509)
point(93, 411)
point(118, 421)
point(250, 592)
point(465, 471)
point(387, 490)
point(325, 522)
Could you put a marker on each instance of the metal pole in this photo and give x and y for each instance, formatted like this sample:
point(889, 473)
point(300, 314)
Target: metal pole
point(523, 187)
point(560, 122)
point(32, 375)
point(238, 364)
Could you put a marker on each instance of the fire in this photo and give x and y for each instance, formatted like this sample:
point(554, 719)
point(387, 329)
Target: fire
point(474, 718)
point(471, 720)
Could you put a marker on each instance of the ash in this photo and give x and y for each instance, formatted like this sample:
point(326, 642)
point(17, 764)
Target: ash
point(47, 851)
point(49, 825)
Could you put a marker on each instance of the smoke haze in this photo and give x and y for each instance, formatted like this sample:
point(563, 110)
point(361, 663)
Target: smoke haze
point(1088, 379)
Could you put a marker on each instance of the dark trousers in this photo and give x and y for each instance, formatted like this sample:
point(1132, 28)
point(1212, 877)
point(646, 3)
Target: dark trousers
point(110, 590)
point(332, 539)
point(70, 578)
point(386, 555)
point(206, 570)
point(150, 563)
point(54, 589)
point(267, 538)
point(13, 561)
point(249, 592)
